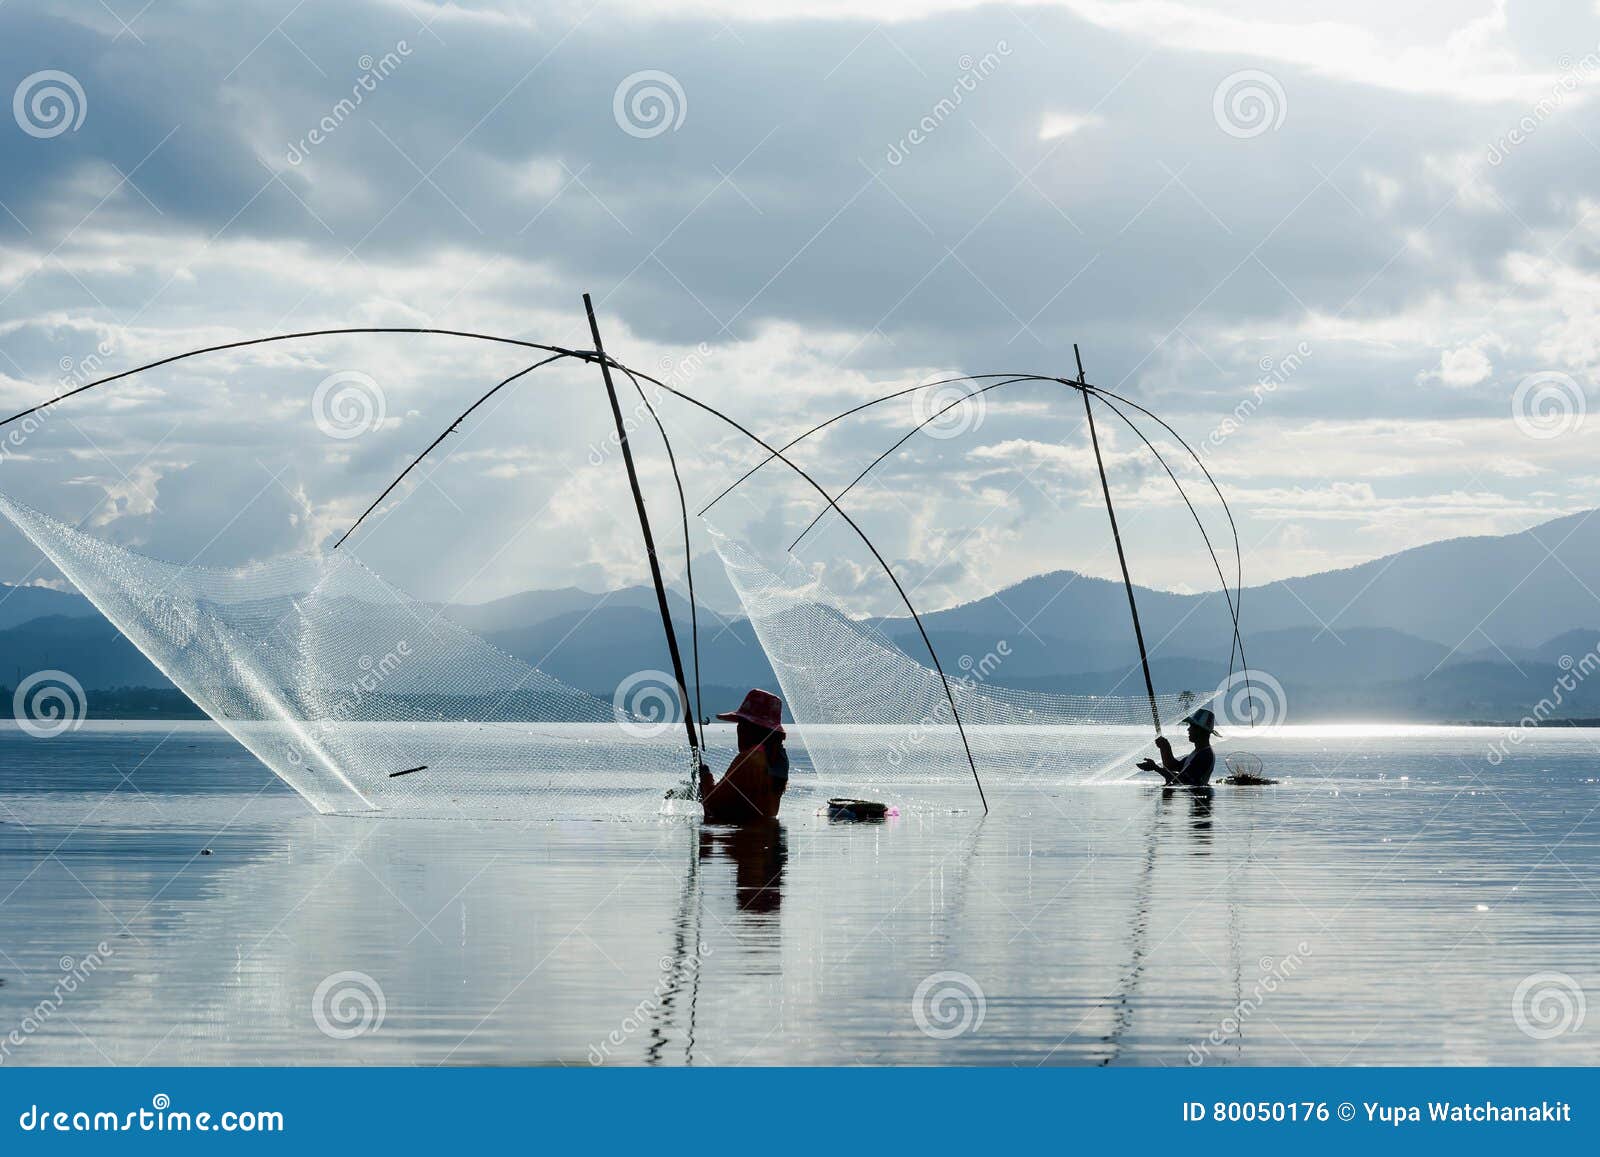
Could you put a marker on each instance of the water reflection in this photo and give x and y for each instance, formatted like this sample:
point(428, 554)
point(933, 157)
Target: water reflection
point(759, 852)
point(1200, 800)
point(760, 855)
point(676, 1010)
point(1109, 925)
point(1174, 805)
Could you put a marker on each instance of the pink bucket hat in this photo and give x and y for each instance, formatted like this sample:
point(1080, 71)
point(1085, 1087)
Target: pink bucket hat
point(762, 708)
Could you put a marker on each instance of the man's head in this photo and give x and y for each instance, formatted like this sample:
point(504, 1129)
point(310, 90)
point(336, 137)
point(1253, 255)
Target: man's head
point(754, 735)
point(759, 717)
point(1202, 726)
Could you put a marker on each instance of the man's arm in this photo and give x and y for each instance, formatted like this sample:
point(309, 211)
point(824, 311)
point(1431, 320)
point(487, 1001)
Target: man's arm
point(1168, 760)
point(1171, 777)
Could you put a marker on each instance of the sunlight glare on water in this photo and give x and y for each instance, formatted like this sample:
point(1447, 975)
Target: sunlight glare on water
point(1387, 903)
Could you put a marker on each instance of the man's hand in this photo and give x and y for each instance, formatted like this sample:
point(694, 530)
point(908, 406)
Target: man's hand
point(1147, 765)
point(1164, 744)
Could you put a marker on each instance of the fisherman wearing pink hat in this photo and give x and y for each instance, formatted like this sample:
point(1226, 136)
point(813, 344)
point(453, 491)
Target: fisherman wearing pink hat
point(755, 782)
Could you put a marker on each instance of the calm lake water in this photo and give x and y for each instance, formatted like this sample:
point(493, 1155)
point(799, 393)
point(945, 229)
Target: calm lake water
point(1398, 899)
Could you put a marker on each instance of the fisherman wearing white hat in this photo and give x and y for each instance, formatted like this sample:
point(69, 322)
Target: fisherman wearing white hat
point(1194, 769)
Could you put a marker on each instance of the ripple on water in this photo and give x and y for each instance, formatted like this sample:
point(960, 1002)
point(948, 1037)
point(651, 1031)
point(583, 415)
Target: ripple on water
point(1385, 904)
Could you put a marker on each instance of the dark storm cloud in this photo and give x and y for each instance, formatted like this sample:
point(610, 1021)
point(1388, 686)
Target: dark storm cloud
point(977, 231)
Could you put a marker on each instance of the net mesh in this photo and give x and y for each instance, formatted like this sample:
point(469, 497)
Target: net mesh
point(336, 681)
point(871, 716)
point(362, 698)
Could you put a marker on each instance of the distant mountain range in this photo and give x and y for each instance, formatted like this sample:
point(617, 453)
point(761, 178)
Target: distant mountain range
point(1469, 628)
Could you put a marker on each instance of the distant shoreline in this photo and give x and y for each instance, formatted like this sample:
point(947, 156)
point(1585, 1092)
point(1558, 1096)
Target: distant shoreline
point(1527, 723)
point(132, 704)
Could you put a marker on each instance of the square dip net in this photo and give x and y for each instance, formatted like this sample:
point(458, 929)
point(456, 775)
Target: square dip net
point(362, 698)
point(873, 717)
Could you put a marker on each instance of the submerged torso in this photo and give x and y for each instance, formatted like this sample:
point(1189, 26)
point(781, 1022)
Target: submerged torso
point(749, 791)
point(1197, 767)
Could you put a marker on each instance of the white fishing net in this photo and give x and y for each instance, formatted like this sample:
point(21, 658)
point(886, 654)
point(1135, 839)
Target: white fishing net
point(873, 717)
point(337, 681)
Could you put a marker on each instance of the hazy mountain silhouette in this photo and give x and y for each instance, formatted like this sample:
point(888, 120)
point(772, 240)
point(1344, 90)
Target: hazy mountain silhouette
point(1469, 627)
point(19, 604)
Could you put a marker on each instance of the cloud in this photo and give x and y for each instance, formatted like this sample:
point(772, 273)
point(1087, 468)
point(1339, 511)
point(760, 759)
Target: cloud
point(482, 183)
point(1060, 124)
point(1466, 366)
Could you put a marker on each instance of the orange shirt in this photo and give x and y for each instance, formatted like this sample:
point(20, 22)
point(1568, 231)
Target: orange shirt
point(746, 793)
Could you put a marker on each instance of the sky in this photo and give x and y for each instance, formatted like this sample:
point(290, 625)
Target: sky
point(1349, 253)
